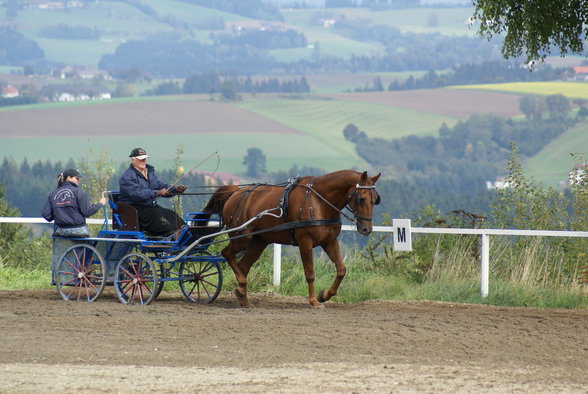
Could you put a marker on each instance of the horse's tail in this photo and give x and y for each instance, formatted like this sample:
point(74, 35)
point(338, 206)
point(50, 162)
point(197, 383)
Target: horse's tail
point(219, 198)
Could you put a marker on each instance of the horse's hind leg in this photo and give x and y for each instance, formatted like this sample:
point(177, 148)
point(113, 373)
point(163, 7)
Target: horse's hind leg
point(334, 253)
point(229, 253)
point(252, 253)
point(241, 269)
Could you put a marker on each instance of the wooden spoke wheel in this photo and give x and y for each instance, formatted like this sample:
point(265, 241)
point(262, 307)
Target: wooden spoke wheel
point(200, 281)
point(135, 279)
point(80, 273)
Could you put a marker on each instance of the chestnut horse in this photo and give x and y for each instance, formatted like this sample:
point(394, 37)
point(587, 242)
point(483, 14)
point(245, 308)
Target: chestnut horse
point(306, 212)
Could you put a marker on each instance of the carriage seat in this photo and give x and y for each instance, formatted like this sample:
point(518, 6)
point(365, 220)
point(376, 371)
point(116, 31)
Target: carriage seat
point(124, 216)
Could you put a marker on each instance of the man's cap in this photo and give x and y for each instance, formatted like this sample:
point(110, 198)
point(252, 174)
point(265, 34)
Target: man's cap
point(139, 153)
point(71, 172)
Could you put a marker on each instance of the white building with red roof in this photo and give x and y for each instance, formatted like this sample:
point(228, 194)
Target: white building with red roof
point(9, 92)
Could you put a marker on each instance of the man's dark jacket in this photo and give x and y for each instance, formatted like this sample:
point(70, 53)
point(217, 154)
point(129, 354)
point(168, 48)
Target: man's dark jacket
point(136, 190)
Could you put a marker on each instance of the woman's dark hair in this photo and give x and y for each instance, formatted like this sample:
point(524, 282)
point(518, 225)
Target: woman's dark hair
point(60, 180)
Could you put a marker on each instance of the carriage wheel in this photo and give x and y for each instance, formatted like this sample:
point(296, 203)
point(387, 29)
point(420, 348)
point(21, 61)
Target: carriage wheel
point(160, 283)
point(135, 279)
point(80, 273)
point(201, 281)
point(162, 274)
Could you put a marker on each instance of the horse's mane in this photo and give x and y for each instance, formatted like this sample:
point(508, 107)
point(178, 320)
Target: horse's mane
point(219, 198)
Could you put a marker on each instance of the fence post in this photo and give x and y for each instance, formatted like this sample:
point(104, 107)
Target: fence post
point(277, 264)
point(484, 265)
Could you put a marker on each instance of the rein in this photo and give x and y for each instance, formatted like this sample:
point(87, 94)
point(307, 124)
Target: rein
point(356, 216)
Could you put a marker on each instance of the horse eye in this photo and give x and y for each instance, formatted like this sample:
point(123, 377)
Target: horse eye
point(377, 200)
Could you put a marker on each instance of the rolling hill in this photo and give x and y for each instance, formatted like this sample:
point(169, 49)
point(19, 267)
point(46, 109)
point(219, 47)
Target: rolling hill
point(118, 22)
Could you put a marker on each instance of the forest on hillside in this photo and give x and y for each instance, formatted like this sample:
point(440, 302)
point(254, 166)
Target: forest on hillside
point(475, 151)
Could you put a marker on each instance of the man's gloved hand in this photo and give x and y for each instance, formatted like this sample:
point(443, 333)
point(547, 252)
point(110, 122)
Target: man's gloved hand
point(181, 188)
point(162, 192)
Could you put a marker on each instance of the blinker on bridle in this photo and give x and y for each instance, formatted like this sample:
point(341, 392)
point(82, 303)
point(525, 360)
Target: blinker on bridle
point(357, 199)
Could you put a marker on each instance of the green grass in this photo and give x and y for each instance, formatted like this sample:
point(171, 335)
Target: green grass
point(282, 151)
point(554, 162)
point(76, 51)
point(119, 22)
point(359, 285)
point(451, 21)
point(20, 279)
point(340, 83)
point(568, 89)
point(365, 283)
point(321, 120)
point(326, 119)
point(190, 13)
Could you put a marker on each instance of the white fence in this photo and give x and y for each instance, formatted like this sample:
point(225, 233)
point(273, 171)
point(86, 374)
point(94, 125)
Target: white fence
point(483, 233)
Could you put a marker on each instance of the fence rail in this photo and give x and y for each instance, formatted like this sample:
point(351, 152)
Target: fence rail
point(483, 233)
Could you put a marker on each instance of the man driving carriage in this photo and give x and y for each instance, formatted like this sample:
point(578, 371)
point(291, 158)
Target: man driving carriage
point(140, 187)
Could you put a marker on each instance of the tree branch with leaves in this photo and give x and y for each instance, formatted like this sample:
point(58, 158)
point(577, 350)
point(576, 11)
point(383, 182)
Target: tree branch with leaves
point(534, 27)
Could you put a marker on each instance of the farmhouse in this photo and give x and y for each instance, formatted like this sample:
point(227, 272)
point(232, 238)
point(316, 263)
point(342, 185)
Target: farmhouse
point(213, 178)
point(581, 73)
point(79, 72)
point(244, 26)
point(9, 92)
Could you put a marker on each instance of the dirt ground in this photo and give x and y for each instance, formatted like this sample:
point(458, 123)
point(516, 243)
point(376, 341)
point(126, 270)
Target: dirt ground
point(282, 345)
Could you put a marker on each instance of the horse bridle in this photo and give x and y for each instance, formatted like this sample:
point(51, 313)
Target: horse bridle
point(356, 217)
point(357, 199)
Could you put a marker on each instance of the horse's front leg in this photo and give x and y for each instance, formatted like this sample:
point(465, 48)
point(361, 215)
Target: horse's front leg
point(305, 249)
point(334, 253)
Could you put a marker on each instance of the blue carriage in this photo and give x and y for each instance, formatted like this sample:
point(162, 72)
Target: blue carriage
point(138, 266)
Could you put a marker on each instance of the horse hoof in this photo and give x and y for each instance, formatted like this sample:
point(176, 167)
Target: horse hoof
point(318, 306)
point(321, 296)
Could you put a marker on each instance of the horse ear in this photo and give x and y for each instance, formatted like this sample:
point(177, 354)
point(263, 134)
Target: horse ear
point(363, 177)
point(375, 178)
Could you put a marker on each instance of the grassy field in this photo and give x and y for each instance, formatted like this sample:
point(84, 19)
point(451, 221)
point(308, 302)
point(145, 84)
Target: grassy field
point(450, 21)
point(320, 120)
point(326, 119)
point(340, 83)
point(282, 151)
point(554, 162)
point(569, 89)
point(119, 22)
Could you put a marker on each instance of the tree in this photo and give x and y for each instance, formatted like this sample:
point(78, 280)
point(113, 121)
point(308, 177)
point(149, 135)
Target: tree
point(558, 106)
point(534, 27)
point(255, 162)
point(228, 90)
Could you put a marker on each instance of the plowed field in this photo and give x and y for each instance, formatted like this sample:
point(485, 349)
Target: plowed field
point(449, 102)
point(283, 345)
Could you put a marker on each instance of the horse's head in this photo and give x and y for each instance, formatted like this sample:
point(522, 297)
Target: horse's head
point(362, 200)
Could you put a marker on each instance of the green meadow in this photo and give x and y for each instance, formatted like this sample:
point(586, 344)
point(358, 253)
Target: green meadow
point(119, 21)
point(569, 89)
point(449, 21)
point(321, 145)
point(326, 119)
point(281, 151)
point(554, 162)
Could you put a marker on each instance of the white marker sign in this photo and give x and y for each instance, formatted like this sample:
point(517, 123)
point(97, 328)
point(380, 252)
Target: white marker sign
point(402, 237)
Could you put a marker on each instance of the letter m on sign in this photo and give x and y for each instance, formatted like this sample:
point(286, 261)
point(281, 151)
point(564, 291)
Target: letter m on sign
point(402, 236)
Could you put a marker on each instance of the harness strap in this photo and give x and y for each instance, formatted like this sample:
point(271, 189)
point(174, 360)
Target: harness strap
point(289, 226)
